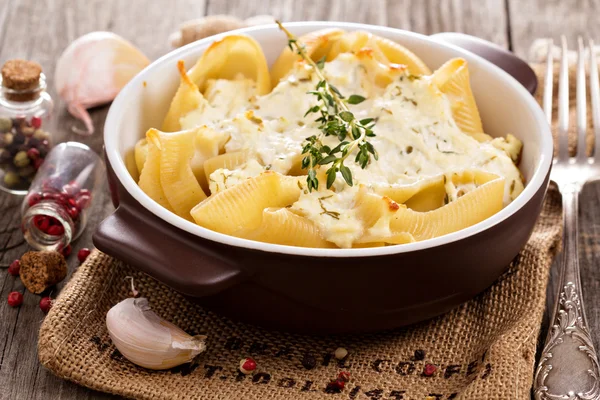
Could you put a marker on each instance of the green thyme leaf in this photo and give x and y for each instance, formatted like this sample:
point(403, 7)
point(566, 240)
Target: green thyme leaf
point(321, 62)
point(331, 174)
point(355, 99)
point(346, 116)
point(336, 91)
point(346, 174)
point(327, 160)
point(334, 119)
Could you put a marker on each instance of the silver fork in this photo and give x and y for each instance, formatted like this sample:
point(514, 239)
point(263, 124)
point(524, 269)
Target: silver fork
point(568, 368)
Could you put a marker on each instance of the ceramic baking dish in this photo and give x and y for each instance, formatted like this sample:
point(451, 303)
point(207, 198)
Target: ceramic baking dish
point(321, 290)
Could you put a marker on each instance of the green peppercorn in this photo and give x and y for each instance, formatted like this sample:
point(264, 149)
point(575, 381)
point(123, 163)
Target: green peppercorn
point(21, 159)
point(5, 124)
point(11, 179)
point(40, 134)
point(5, 156)
point(7, 139)
point(28, 131)
point(26, 171)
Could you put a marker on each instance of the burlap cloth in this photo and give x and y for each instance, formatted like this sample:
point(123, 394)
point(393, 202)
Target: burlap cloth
point(484, 349)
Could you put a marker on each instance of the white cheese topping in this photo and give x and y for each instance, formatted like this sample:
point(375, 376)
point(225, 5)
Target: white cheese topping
point(416, 137)
point(224, 178)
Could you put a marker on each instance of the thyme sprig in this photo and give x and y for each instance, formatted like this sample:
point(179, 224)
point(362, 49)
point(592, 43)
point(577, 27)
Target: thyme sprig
point(335, 119)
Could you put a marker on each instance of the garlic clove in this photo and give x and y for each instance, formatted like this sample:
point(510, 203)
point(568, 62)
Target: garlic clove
point(199, 28)
point(147, 340)
point(93, 69)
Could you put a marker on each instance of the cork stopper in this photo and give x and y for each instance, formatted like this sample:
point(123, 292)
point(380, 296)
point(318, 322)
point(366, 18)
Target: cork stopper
point(22, 77)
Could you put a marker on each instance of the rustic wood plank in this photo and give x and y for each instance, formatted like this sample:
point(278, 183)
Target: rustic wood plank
point(589, 242)
point(486, 19)
point(372, 12)
point(147, 24)
point(552, 18)
point(59, 22)
point(62, 21)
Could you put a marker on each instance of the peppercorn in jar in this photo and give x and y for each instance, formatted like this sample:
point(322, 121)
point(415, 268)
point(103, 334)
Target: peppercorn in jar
point(25, 112)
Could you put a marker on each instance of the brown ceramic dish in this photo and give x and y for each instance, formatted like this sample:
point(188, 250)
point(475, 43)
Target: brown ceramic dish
point(321, 290)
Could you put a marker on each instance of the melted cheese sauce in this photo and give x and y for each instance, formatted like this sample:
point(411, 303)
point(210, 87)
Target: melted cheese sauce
point(416, 137)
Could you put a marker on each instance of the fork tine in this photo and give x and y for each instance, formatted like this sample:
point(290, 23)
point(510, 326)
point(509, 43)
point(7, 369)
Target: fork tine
point(563, 104)
point(581, 103)
point(548, 83)
point(595, 95)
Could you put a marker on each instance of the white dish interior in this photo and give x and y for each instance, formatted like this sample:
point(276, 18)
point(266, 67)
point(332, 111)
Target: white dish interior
point(505, 107)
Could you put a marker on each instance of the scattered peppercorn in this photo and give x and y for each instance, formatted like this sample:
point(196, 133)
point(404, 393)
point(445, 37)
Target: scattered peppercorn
point(340, 353)
point(247, 365)
point(5, 124)
point(419, 355)
point(345, 376)
point(37, 163)
point(21, 159)
point(15, 299)
point(83, 254)
point(309, 361)
point(11, 179)
point(40, 134)
point(66, 251)
point(57, 230)
point(45, 304)
point(36, 122)
point(27, 171)
point(33, 153)
point(429, 369)
point(338, 384)
point(14, 268)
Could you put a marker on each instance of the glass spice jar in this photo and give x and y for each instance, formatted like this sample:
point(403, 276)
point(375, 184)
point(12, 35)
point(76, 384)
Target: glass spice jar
point(56, 208)
point(25, 113)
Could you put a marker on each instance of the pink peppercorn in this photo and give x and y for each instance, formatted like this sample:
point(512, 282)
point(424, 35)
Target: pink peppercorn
point(83, 254)
point(36, 122)
point(14, 268)
point(247, 365)
point(83, 200)
point(33, 199)
point(42, 222)
point(45, 304)
point(15, 299)
point(37, 163)
point(73, 212)
point(55, 230)
point(429, 369)
point(66, 251)
point(33, 153)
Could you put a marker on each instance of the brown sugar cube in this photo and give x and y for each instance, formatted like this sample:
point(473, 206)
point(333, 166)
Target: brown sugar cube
point(42, 269)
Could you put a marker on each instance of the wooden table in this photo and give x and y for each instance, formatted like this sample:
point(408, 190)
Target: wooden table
point(40, 30)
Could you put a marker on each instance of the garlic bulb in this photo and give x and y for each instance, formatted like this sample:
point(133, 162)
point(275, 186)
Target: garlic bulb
point(197, 29)
point(146, 339)
point(93, 69)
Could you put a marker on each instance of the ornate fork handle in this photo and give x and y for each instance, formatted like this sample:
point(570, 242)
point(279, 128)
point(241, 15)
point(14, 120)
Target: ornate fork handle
point(568, 368)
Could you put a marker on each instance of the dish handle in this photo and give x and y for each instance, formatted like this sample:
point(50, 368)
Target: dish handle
point(508, 61)
point(191, 265)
